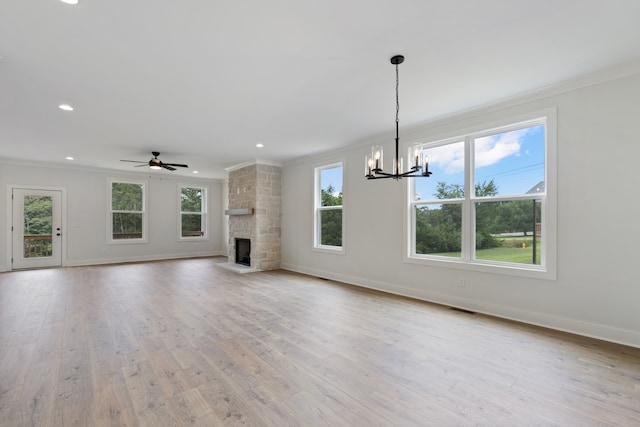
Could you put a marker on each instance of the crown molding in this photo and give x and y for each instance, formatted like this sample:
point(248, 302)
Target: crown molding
point(253, 162)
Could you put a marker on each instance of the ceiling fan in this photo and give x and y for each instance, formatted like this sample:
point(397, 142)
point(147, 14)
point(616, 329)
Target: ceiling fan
point(156, 163)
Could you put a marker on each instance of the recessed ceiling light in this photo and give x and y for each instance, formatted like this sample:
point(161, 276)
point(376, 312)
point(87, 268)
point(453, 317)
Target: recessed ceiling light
point(69, 1)
point(259, 145)
point(195, 172)
point(69, 158)
point(65, 107)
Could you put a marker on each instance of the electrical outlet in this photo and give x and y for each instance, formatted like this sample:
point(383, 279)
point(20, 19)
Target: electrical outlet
point(461, 283)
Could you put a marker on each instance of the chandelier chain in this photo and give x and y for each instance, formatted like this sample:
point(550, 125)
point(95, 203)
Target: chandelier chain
point(397, 97)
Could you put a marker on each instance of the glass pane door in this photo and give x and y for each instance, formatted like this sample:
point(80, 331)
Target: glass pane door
point(38, 217)
point(36, 228)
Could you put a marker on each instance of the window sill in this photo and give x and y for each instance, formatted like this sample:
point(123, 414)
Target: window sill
point(337, 250)
point(126, 241)
point(193, 239)
point(519, 270)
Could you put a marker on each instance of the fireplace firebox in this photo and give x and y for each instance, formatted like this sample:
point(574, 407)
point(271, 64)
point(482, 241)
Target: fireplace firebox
point(243, 251)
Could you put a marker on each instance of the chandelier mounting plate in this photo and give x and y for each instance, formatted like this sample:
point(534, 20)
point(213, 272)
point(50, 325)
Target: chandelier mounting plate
point(398, 59)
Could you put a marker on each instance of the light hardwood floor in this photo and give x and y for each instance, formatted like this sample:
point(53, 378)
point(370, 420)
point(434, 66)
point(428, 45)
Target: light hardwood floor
point(186, 342)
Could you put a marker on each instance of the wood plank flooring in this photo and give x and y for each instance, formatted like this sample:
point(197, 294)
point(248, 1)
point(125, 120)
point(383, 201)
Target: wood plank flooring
point(188, 343)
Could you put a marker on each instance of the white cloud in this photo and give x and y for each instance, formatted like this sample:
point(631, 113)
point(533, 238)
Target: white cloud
point(449, 157)
point(491, 149)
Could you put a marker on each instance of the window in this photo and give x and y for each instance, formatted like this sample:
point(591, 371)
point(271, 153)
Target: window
point(328, 207)
point(193, 212)
point(486, 206)
point(127, 217)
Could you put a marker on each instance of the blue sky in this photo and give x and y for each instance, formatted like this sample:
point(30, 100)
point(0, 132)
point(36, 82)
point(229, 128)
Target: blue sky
point(331, 177)
point(514, 160)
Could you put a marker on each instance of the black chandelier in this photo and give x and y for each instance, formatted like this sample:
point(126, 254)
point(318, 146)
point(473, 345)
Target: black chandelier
point(420, 159)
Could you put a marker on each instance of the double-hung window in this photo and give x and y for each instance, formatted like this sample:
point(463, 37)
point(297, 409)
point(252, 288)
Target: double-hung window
point(127, 214)
point(486, 206)
point(193, 212)
point(329, 223)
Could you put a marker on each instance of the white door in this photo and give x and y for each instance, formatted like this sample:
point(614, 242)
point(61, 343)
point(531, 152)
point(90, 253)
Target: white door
point(37, 228)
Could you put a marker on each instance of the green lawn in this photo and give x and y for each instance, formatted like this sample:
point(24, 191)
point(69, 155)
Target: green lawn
point(518, 255)
point(511, 251)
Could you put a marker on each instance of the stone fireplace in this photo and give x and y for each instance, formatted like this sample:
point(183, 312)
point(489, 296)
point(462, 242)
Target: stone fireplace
point(255, 215)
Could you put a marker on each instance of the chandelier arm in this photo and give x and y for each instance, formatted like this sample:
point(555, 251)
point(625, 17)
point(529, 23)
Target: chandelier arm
point(381, 174)
point(411, 174)
point(415, 172)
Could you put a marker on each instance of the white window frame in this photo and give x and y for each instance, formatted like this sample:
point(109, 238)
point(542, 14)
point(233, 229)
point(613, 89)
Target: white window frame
point(204, 215)
point(110, 211)
point(318, 209)
point(548, 268)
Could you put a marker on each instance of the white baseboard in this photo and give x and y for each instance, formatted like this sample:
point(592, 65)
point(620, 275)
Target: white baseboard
point(118, 260)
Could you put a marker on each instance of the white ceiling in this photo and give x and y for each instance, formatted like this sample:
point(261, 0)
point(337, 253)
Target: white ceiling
point(204, 81)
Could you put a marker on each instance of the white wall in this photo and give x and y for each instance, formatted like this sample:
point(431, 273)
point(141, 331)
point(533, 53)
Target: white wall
point(597, 291)
point(85, 235)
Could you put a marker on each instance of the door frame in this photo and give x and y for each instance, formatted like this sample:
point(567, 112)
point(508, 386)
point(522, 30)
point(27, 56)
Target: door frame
point(10, 225)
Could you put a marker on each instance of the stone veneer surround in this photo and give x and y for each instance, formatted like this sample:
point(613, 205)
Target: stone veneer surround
point(257, 187)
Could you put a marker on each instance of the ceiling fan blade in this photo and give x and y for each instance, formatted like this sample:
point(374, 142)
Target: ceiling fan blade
point(154, 162)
